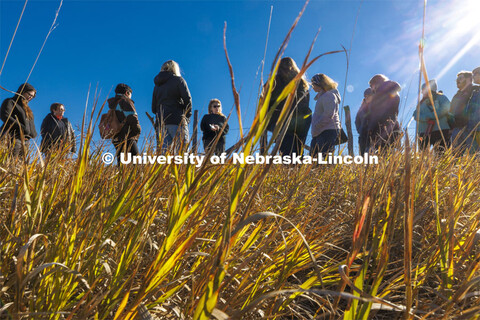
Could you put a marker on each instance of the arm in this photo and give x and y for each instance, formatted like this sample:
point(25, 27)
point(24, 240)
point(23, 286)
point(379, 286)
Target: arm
point(186, 97)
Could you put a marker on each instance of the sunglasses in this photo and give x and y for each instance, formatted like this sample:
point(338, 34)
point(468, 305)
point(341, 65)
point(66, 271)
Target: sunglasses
point(215, 107)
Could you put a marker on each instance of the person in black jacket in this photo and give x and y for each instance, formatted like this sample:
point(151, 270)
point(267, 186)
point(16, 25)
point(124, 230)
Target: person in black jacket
point(297, 129)
point(17, 117)
point(172, 105)
point(57, 130)
point(211, 125)
point(126, 140)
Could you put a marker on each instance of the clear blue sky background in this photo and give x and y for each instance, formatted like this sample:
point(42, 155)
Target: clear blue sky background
point(108, 42)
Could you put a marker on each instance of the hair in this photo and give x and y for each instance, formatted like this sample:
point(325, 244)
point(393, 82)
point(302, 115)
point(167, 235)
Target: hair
point(325, 82)
point(171, 66)
point(210, 106)
point(288, 69)
point(55, 106)
point(476, 70)
point(466, 74)
point(123, 88)
point(25, 87)
point(367, 92)
point(377, 79)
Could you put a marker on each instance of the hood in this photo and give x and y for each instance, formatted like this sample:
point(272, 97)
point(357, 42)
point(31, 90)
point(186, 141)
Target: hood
point(163, 77)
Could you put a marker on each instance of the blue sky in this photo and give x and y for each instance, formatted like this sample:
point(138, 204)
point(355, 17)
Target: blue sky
point(108, 42)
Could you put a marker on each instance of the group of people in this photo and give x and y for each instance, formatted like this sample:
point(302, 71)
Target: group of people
point(455, 121)
point(451, 123)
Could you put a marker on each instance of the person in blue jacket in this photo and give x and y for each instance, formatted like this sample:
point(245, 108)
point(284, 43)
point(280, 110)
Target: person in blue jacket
point(429, 130)
point(56, 130)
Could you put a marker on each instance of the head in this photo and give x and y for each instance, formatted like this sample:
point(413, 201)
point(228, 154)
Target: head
point(215, 107)
point(368, 95)
point(171, 66)
point(376, 81)
point(323, 83)
point(476, 75)
point(27, 91)
point(433, 87)
point(57, 109)
point(123, 89)
point(464, 79)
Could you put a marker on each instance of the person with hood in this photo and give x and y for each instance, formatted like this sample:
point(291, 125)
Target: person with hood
point(212, 124)
point(429, 132)
point(381, 124)
point(360, 120)
point(56, 129)
point(326, 120)
point(297, 130)
point(17, 117)
point(126, 139)
point(172, 106)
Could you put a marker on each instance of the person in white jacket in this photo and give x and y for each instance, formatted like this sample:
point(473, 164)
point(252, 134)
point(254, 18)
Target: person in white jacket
point(325, 121)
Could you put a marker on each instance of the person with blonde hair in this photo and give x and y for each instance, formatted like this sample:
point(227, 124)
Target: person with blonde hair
point(326, 120)
point(301, 115)
point(18, 121)
point(212, 125)
point(172, 105)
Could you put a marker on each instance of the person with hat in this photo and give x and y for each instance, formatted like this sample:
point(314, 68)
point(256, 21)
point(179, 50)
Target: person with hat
point(429, 130)
point(126, 139)
point(57, 130)
point(18, 121)
point(326, 120)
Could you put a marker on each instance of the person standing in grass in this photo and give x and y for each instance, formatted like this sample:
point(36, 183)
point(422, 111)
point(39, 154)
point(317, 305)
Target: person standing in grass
point(381, 124)
point(297, 130)
point(126, 139)
point(473, 111)
point(211, 125)
point(429, 131)
point(360, 120)
point(56, 130)
point(326, 120)
point(172, 106)
point(18, 122)
point(458, 120)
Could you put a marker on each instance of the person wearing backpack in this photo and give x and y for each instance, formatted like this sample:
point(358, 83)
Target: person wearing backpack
point(429, 131)
point(17, 117)
point(56, 129)
point(126, 139)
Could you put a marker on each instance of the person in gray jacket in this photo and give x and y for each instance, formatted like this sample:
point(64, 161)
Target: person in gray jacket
point(172, 105)
point(325, 121)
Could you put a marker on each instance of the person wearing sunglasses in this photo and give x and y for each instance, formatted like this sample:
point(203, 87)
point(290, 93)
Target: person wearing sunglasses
point(212, 125)
point(18, 121)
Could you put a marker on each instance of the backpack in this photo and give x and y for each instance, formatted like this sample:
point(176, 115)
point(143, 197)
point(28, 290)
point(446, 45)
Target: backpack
point(109, 125)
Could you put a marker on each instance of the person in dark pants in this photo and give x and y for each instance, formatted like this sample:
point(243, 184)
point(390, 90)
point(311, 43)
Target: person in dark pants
point(360, 120)
point(299, 110)
point(326, 121)
point(211, 125)
point(172, 105)
point(18, 122)
point(126, 140)
point(57, 130)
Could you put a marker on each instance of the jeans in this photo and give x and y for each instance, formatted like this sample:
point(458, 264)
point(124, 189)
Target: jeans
point(172, 134)
point(325, 142)
point(292, 143)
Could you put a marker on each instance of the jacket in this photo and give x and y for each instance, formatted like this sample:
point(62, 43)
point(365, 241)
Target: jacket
point(56, 131)
point(382, 118)
point(126, 114)
point(326, 116)
point(171, 100)
point(211, 119)
point(457, 107)
point(442, 106)
point(473, 110)
point(302, 115)
point(14, 118)
point(360, 119)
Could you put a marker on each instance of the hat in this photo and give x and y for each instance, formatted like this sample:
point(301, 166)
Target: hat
point(122, 88)
point(433, 85)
